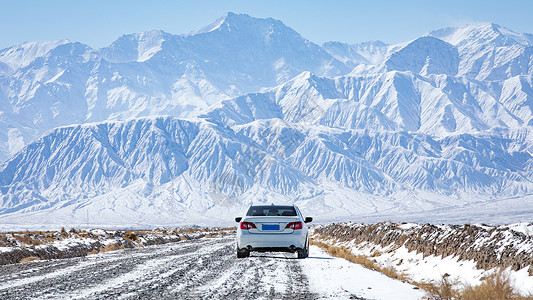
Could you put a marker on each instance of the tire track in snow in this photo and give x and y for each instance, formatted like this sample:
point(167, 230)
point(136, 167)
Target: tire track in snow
point(198, 269)
point(78, 273)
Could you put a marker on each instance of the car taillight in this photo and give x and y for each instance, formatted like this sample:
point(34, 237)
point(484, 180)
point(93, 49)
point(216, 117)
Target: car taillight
point(247, 225)
point(295, 225)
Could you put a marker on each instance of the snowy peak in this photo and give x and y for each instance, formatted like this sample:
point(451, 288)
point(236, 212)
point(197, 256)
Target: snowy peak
point(266, 35)
point(22, 55)
point(486, 34)
point(135, 47)
point(489, 51)
point(225, 23)
point(241, 23)
point(425, 55)
point(221, 23)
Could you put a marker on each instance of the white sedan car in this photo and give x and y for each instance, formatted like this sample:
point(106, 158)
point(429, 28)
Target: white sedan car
point(278, 228)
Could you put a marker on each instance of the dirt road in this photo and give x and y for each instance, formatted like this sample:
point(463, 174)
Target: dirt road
point(196, 269)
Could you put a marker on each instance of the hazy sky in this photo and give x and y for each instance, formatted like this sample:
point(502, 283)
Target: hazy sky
point(98, 23)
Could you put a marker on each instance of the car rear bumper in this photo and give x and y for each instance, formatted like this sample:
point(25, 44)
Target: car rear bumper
point(263, 242)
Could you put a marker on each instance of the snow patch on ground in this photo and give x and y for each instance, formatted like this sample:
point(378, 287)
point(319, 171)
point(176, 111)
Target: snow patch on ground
point(351, 279)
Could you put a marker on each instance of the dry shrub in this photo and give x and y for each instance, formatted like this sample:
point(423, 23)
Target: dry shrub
point(445, 289)
point(497, 286)
point(95, 251)
point(131, 236)
point(4, 241)
point(110, 247)
point(27, 239)
point(28, 259)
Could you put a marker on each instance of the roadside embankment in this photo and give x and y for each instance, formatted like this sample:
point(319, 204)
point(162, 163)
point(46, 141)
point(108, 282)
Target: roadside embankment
point(458, 255)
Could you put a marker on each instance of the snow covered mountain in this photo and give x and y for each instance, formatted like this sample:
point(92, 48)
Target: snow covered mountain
point(490, 51)
point(167, 170)
point(392, 101)
point(311, 141)
point(481, 52)
point(255, 112)
point(50, 84)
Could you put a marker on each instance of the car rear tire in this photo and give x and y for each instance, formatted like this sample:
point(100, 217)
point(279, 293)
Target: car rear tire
point(242, 253)
point(301, 253)
point(304, 253)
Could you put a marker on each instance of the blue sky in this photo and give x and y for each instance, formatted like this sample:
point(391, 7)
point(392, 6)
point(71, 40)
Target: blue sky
point(98, 23)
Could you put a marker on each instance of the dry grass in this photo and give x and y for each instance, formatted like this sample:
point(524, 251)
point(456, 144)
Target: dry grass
point(95, 251)
point(28, 259)
point(111, 247)
point(497, 286)
point(64, 233)
point(131, 236)
point(27, 239)
point(4, 241)
point(443, 290)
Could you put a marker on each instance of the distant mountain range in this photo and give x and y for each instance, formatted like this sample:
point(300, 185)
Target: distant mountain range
point(164, 129)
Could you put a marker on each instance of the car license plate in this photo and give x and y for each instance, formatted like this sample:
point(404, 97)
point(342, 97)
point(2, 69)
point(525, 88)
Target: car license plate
point(270, 227)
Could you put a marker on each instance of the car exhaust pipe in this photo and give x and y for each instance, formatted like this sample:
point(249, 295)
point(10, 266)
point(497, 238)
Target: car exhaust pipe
point(292, 248)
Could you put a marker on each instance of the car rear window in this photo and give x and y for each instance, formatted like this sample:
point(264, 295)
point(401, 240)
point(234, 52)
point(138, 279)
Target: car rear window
point(271, 210)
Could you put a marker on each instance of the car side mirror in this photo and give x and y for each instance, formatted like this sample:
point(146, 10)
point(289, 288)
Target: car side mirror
point(308, 220)
point(238, 219)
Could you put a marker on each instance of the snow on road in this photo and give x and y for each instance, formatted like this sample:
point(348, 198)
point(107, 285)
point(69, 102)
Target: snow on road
point(198, 269)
